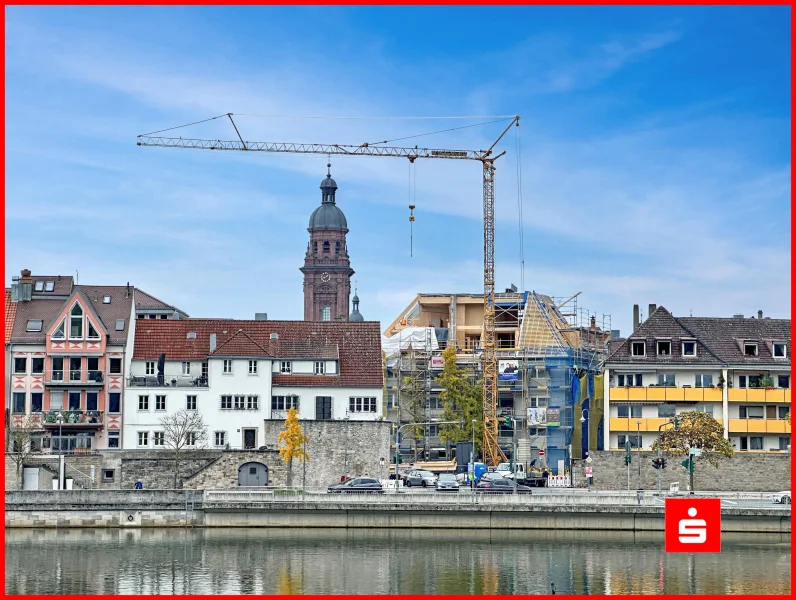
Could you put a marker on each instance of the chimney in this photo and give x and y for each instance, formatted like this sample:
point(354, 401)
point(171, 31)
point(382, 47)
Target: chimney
point(15, 288)
point(652, 308)
point(212, 342)
point(25, 286)
point(127, 290)
point(635, 317)
point(260, 316)
point(593, 324)
point(760, 314)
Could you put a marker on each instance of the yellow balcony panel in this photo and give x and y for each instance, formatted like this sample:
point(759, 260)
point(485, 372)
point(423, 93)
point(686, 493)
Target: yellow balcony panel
point(637, 393)
point(775, 395)
point(738, 425)
point(653, 424)
point(712, 394)
point(736, 395)
point(656, 393)
point(756, 426)
point(787, 396)
point(756, 395)
point(620, 424)
point(618, 394)
point(693, 394)
point(775, 426)
point(720, 421)
point(675, 393)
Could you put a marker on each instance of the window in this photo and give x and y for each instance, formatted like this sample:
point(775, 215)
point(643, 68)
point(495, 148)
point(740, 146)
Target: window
point(638, 348)
point(115, 402)
point(160, 402)
point(780, 350)
point(433, 431)
point(37, 366)
point(76, 323)
point(705, 408)
point(628, 410)
point(326, 247)
point(750, 412)
point(106, 299)
point(226, 402)
point(20, 365)
point(56, 400)
point(666, 379)
point(143, 438)
point(323, 408)
point(36, 402)
point(119, 324)
point(337, 248)
point(703, 380)
point(634, 380)
point(783, 412)
point(74, 400)
point(252, 367)
point(689, 348)
point(750, 348)
point(752, 381)
point(19, 403)
point(326, 313)
point(664, 347)
point(58, 333)
point(204, 371)
point(58, 369)
point(284, 402)
point(285, 367)
point(92, 400)
point(359, 404)
point(784, 443)
point(158, 438)
point(666, 411)
point(227, 366)
point(190, 438)
point(92, 364)
point(75, 364)
point(34, 325)
point(783, 381)
point(240, 402)
point(49, 286)
point(108, 475)
point(115, 367)
point(92, 332)
point(751, 443)
point(634, 441)
point(186, 368)
point(771, 411)
point(38, 286)
point(319, 367)
point(435, 402)
point(190, 403)
point(220, 438)
point(143, 402)
point(150, 368)
point(252, 402)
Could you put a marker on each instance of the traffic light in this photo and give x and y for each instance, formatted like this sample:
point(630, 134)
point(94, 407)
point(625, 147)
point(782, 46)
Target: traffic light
point(628, 458)
point(676, 423)
point(507, 421)
point(663, 463)
point(656, 463)
point(688, 464)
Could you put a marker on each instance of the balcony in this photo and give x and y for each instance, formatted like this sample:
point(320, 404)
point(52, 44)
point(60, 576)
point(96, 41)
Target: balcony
point(759, 426)
point(73, 419)
point(81, 378)
point(665, 394)
point(152, 381)
point(648, 424)
point(758, 395)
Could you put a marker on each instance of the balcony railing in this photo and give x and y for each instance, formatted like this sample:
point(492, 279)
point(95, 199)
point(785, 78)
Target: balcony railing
point(153, 381)
point(80, 377)
point(696, 394)
point(72, 418)
point(650, 425)
point(758, 395)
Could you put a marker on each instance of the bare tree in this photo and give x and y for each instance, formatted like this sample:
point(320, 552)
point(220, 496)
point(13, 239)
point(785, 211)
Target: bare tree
point(20, 443)
point(184, 429)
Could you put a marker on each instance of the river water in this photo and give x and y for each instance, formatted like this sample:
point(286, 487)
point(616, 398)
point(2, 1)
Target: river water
point(286, 561)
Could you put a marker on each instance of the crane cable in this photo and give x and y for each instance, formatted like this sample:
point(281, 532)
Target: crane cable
point(519, 208)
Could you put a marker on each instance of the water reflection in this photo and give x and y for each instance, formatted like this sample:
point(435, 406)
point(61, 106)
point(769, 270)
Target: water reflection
point(286, 561)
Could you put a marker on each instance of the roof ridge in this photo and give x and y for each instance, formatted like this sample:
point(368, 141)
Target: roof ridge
point(246, 335)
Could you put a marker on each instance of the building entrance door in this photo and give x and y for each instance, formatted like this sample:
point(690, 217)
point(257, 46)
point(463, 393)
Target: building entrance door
point(249, 439)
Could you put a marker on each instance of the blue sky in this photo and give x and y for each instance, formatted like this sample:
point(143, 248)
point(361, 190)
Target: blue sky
point(655, 154)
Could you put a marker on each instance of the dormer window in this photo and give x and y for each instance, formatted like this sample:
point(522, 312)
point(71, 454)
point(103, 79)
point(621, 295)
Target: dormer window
point(750, 348)
point(664, 348)
point(34, 325)
point(49, 286)
point(106, 299)
point(780, 350)
point(689, 348)
point(638, 348)
point(38, 286)
point(76, 323)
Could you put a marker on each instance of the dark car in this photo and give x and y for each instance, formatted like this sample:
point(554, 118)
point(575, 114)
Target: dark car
point(362, 485)
point(501, 486)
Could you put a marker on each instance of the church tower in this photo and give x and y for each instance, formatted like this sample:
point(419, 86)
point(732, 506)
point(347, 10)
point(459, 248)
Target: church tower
point(327, 268)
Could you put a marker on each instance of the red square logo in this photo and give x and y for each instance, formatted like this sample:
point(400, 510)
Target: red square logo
point(692, 525)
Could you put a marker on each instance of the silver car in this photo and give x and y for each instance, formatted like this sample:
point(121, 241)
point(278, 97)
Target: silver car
point(447, 483)
point(421, 478)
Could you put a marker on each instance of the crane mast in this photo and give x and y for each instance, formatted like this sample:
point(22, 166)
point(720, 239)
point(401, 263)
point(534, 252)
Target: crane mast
point(492, 452)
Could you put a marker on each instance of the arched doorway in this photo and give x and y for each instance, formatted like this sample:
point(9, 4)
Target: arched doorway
point(252, 474)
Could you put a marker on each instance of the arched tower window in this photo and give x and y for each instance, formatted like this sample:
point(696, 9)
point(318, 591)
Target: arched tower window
point(326, 313)
point(76, 322)
point(315, 247)
point(337, 248)
point(326, 247)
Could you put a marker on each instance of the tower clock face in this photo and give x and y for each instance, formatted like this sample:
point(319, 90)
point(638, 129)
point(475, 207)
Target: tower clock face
point(325, 277)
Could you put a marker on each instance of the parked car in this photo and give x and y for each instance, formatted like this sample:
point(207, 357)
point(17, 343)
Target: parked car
point(447, 483)
point(781, 498)
point(357, 484)
point(501, 486)
point(494, 476)
point(421, 478)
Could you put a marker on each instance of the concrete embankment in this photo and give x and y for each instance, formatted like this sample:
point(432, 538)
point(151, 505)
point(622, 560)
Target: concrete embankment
point(181, 508)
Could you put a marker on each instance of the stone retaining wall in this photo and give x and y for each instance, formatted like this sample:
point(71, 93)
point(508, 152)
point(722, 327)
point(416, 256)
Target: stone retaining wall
point(223, 472)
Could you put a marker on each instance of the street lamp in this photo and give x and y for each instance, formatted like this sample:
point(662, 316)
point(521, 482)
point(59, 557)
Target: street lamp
point(638, 437)
point(583, 415)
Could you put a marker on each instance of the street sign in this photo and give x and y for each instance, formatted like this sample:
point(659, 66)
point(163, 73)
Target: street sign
point(588, 471)
point(541, 452)
point(695, 451)
point(588, 459)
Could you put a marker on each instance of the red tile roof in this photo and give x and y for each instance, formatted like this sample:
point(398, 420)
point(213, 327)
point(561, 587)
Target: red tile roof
point(356, 345)
point(11, 311)
point(307, 380)
point(240, 344)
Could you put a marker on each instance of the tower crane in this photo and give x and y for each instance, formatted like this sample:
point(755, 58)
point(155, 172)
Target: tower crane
point(493, 455)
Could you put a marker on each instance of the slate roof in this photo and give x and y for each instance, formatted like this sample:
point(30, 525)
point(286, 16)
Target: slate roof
point(719, 341)
point(62, 285)
point(356, 345)
point(144, 301)
point(11, 311)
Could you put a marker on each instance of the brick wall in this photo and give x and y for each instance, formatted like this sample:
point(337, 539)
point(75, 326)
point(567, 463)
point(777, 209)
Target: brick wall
point(337, 448)
point(741, 473)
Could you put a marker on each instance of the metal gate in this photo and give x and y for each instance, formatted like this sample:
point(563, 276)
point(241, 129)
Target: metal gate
point(252, 474)
point(30, 478)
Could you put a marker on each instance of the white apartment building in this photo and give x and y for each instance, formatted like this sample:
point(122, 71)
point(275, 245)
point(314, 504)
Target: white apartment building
point(240, 373)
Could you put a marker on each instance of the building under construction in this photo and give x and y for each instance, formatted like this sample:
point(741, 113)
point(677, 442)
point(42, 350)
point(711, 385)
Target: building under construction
point(549, 351)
